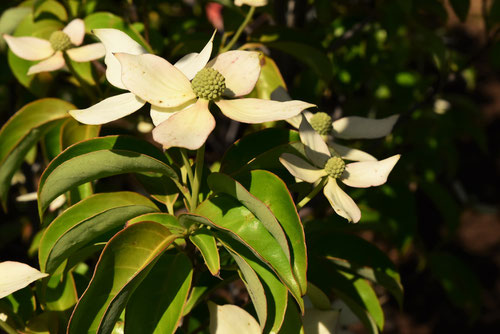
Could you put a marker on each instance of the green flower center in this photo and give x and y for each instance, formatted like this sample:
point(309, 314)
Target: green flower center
point(334, 167)
point(208, 84)
point(322, 123)
point(60, 41)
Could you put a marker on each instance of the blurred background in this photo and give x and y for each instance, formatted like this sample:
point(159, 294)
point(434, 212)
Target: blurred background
point(435, 63)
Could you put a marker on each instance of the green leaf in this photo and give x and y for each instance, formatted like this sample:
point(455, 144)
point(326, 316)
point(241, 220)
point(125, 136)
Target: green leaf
point(357, 256)
point(11, 18)
point(97, 158)
point(87, 220)
point(165, 219)
point(227, 215)
point(275, 297)
point(222, 183)
point(270, 80)
point(461, 8)
point(124, 263)
point(293, 321)
point(249, 147)
point(58, 292)
point(272, 191)
point(160, 187)
point(22, 132)
point(156, 305)
point(37, 84)
point(204, 240)
point(50, 8)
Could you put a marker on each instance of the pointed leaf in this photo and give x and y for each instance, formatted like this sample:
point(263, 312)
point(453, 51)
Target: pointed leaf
point(156, 305)
point(204, 240)
point(124, 263)
point(97, 158)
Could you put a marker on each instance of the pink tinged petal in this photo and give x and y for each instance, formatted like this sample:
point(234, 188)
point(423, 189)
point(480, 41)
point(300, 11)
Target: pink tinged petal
point(155, 80)
point(316, 149)
point(15, 276)
point(158, 115)
point(348, 153)
point(300, 168)
point(368, 173)
point(116, 41)
point(260, 111)
point(76, 31)
point(355, 127)
point(192, 63)
point(87, 53)
point(29, 48)
point(188, 128)
point(241, 69)
point(343, 205)
point(53, 63)
point(108, 110)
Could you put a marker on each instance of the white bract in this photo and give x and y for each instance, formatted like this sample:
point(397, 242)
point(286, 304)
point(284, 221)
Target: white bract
point(253, 3)
point(322, 164)
point(179, 106)
point(15, 276)
point(229, 319)
point(50, 52)
point(351, 127)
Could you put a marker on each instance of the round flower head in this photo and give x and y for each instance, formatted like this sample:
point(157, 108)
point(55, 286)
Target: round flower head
point(180, 94)
point(51, 51)
point(322, 164)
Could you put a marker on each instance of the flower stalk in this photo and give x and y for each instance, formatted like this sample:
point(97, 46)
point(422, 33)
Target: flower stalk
point(242, 27)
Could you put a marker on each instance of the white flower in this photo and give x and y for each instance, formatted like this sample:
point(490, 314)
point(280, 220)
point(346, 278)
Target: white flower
point(253, 3)
point(15, 276)
point(361, 174)
point(229, 319)
point(51, 51)
point(179, 107)
point(117, 106)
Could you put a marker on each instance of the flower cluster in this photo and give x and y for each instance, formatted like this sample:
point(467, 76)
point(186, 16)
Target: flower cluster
point(51, 52)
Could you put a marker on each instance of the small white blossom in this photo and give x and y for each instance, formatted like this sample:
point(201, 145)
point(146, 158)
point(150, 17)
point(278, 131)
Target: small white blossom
point(253, 3)
point(50, 52)
point(323, 164)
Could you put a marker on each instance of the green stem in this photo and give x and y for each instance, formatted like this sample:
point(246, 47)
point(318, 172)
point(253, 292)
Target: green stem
point(189, 171)
point(6, 327)
point(83, 84)
point(312, 194)
point(195, 189)
point(239, 31)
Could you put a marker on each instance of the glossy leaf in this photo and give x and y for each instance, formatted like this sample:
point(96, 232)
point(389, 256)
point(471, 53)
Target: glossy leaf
point(97, 158)
point(204, 240)
point(165, 219)
point(58, 293)
point(226, 214)
point(156, 305)
point(272, 191)
point(85, 221)
point(23, 131)
point(124, 263)
point(222, 183)
point(293, 321)
point(249, 147)
point(355, 255)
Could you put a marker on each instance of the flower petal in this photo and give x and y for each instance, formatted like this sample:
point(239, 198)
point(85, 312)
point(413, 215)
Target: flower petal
point(348, 153)
point(192, 63)
point(116, 41)
point(343, 205)
point(355, 127)
point(29, 48)
point(76, 31)
point(15, 276)
point(241, 69)
point(254, 3)
point(295, 120)
point(155, 80)
point(87, 53)
point(259, 111)
point(53, 63)
point(316, 149)
point(188, 128)
point(158, 115)
point(300, 168)
point(108, 110)
point(368, 173)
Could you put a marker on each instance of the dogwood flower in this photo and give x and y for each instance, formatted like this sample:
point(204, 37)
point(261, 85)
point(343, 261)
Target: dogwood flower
point(323, 164)
point(117, 106)
point(51, 51)
point(253, 3)
point(179, 95)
